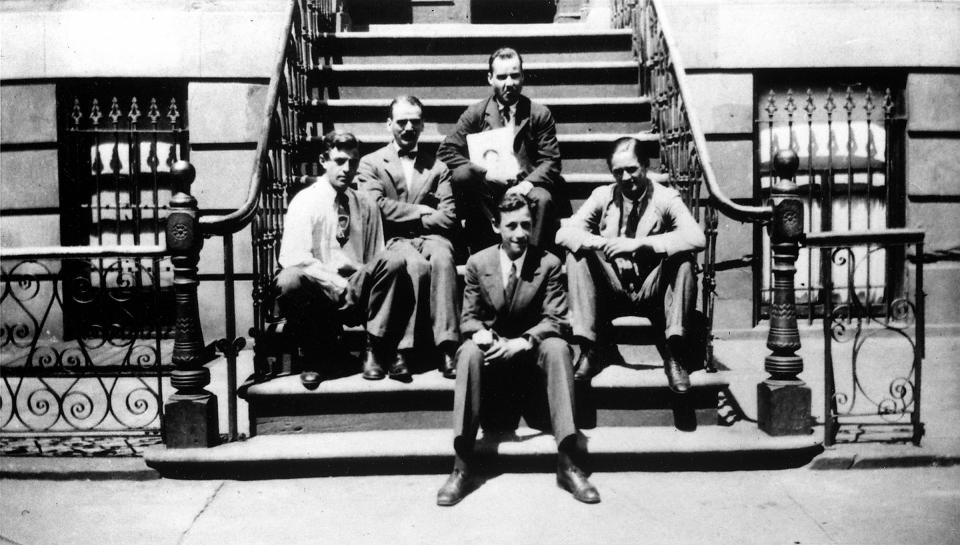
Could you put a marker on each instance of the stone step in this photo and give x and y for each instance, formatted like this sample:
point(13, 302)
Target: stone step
point(549, 43)
point(618, 396)
point(455, 80)
point(741, 446)
point(574, 116)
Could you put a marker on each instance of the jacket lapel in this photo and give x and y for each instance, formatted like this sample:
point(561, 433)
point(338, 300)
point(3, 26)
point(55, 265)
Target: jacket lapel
point(419, 172)
point(649, 217)
point(391, 163)
point(491, 282)
point(492, 113)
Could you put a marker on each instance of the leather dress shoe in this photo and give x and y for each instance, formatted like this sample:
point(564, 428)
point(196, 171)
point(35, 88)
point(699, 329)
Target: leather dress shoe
point(455, 489)
point(372, 369)
point(677, 376)
point(310, 379)
point(399, 370)
point(449, 366)
point(571, 479)
point(588, 364)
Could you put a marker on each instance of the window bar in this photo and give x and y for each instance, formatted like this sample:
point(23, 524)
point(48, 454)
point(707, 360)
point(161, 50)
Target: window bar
point(116, 166)
point(809, 107)
point(153, 161)
point(826, 206)
point(888, 177)
point(133, 160)
point(868, 108)
point(95, 116)
point(848, 106)
point(771, 109)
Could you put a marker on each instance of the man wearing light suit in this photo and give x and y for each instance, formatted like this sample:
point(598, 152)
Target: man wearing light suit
point(412, 189)
point(631, 245)
point(514, 321)
point(478, 190)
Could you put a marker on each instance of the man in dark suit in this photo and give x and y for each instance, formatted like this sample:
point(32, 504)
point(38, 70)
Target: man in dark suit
point(477, 189)
point(514, 320)
point(631, 247)
point(412, 189)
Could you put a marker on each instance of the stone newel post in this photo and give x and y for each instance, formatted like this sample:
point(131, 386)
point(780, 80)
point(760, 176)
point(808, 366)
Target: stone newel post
point(190, 415)
point(783, 400)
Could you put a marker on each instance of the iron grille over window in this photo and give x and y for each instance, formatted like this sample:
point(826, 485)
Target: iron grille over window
point(117, 142)
point(849, 140)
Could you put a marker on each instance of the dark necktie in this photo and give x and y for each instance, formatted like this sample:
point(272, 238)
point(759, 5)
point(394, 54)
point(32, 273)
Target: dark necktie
point(511, 282)
point(505, 115)
point(630, 230)
point(343, 219)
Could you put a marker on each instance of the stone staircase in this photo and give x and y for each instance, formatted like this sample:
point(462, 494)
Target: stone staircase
point(588, 78)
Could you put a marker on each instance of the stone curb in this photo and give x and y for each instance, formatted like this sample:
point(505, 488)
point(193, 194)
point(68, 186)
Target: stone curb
point(56, 468)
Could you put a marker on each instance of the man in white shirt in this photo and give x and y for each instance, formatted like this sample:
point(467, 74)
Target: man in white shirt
point(413, 191)
point(515, 359)
point(336, 270)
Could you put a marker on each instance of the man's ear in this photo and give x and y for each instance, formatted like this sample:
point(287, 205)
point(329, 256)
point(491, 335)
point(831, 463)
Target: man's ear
point(496, 225)
point(490, 78)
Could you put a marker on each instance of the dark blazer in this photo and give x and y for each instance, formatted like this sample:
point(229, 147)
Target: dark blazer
point(539, 305)
point(535, 143)
point(381, 174)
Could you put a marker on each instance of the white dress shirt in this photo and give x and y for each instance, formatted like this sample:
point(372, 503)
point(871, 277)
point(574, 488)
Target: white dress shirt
point(310, 235)
point(505, 263)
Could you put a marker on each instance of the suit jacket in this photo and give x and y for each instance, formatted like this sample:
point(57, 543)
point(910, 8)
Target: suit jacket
point(664, 219)
point(535, 143)
point(381, 175)
point(539, 305)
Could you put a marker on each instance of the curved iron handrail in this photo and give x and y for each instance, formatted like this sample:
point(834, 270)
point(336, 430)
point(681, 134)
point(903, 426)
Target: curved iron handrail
point(232, 222)
point(739, 212)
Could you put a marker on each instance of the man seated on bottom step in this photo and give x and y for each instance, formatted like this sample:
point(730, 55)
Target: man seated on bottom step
point(336, 271)
point(631, 246)
point(514, 360)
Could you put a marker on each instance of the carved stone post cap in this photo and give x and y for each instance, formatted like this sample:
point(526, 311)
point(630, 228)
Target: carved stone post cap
point(183, 175)
point(785, 164)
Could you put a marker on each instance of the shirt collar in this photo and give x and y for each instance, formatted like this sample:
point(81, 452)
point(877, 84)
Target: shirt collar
point(505, 261)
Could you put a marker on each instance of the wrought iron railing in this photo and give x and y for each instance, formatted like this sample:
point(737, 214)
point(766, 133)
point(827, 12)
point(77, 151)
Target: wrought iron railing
point(105, 374)
point(849, 145)
point(868, 397)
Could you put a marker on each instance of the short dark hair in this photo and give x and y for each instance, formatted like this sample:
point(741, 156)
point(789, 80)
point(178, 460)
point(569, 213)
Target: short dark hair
point(631, 143)
point(409, 99)
point(504, 53)
point(341, 140)
point(511, 202)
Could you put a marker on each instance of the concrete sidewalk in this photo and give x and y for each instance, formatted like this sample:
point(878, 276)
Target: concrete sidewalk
point(797, 506)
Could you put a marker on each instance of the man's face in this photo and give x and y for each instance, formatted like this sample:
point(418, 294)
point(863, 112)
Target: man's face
point(514, 229)
point(506, 79)
point(406, 124)
point(341, 166)
point(630, 175)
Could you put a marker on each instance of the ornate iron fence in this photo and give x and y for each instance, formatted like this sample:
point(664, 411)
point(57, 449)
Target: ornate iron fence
point(105, 375)
point(871, 395)
point(849, 177)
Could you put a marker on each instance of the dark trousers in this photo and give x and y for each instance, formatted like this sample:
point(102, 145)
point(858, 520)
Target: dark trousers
point(497, 394)
point(667, 295)
point(379, 296)
point(432, 255)
point(477, 201)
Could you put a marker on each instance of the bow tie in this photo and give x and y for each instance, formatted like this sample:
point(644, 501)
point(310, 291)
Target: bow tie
point(411, 153)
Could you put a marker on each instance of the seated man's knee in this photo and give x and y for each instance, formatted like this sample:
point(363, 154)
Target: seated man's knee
point(393, 261)
point(439, 253)
point(464, 177)
point(468, 355)
point(555, 349)
point(540, 197)
point(289, 280)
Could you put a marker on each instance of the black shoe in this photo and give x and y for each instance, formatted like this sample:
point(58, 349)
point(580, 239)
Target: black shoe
point(449, 366)
point(588, 365)
point(310, 379)
point(677, 376)
point(399, 370)
point(455, 489)
point(372, 368)
point(571, 479)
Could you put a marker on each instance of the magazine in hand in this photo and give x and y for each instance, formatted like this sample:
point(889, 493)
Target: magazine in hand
point(493, 150)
